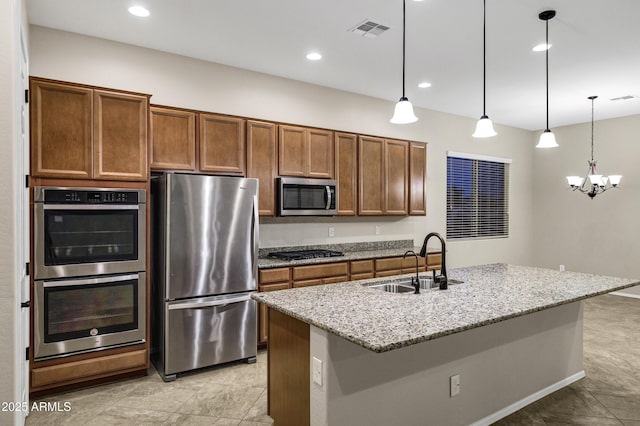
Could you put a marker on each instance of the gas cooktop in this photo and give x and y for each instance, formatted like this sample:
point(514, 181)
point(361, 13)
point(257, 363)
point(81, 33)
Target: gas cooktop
point(304, 254)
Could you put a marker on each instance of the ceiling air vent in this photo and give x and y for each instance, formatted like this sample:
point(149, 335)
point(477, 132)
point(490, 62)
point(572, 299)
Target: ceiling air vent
point(624, 98)
point(369, 28)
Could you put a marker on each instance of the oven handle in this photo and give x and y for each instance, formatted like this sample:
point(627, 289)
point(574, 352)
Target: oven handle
point(210, 303)
point(91, 207)
point(66, 283)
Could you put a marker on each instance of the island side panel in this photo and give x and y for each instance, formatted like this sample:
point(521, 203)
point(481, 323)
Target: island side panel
point(288, 370)
point(502, 367)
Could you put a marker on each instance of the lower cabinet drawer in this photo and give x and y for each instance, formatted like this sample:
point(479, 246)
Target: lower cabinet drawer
point(361, 267)
point(367, 276)
point(388, 273)
point(302, 273)
point(88, 369)
point(434, 261)
point(263, 323)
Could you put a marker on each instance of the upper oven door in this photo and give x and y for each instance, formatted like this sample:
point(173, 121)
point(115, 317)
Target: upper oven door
point(76, 240)
point(307, 197)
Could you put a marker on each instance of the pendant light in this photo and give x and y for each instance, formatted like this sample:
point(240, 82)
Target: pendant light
point(547, 138)
point(484, 128)
point(597, 183)
point(403, 112)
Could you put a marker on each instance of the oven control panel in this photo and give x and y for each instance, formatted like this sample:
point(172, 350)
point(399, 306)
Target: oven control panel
point(78, 196)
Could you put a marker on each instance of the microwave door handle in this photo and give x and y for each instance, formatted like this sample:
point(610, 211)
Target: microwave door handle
point(328, 191)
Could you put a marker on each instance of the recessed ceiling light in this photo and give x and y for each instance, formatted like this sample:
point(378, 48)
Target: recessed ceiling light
point(541, 47)
point(314, 56)
point(424, 85)
point(139, 11)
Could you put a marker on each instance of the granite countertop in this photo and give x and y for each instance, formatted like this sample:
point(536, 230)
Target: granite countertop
point(354, 251)
point(382, 321)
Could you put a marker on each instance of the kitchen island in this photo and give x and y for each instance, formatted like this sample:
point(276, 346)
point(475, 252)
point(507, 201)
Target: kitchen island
point(510, 334)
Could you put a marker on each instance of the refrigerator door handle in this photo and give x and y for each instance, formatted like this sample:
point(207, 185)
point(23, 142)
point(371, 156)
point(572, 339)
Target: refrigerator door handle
point(254, 236)
point(210, 303)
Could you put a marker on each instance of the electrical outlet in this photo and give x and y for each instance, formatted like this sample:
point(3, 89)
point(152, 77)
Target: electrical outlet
point(377, 229)
point(332, 231)
point(317, 371)
point(561, 268)
point(454, 382)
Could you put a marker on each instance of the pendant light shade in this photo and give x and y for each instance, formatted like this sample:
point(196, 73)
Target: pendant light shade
point(403, 112)
point(547, 138)
point(484, 128)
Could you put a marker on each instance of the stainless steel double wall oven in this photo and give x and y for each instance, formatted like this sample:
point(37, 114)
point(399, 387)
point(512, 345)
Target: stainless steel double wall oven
point(89, 269)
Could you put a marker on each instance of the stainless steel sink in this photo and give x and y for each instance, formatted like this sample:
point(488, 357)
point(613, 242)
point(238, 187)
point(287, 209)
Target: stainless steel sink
point(393, 288)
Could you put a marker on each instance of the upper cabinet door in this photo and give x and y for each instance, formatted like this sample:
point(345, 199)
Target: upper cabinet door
point(346, 160)
point(61, 130)
point(371, 176)
point(293, 151)
point(120, 136)
point(222, 144)
point(261, 163)
point(417, 179)
point(173, 139)
point(396, 177)
point(320, 158)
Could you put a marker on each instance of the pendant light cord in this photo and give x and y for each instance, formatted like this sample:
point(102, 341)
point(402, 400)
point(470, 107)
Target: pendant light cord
point(547, 70)
point(404, 13)
point(484, 58)
point(592, 129)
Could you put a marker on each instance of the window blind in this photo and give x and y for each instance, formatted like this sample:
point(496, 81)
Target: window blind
point(477, 196)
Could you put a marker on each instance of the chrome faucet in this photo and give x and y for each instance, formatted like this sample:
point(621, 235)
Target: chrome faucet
point(441, 279)
point(415, 282)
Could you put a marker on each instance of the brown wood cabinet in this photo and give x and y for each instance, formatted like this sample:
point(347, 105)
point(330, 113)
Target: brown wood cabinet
point(81, 132)
point(305, 152)
point(383, 175)
point(269, 280)
point(396, 179)
point(261, 163)
point(346, 159)
point(173, 139)
point(61, 130)
point(119, 136)
point(361, 269)
point(328, 273)
point(417, 179)
point(222, 144)
point(371, 178)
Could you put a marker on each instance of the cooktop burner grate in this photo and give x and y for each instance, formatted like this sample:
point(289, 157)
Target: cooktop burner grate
point(304, 254)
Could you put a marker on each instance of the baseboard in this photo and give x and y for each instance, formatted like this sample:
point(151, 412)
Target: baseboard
point(500, 414)
point(623, 294)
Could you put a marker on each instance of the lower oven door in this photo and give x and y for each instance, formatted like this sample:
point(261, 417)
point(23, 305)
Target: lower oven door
point(209, 330)
point(87, 314)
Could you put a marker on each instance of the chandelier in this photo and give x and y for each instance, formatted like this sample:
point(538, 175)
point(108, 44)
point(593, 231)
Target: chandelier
point(597, 183)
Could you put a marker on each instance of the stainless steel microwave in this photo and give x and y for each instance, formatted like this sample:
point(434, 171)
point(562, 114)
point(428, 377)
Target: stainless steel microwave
point(307, 197)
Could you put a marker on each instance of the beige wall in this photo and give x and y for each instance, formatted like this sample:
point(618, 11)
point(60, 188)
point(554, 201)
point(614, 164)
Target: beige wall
point(510, 362)
point(12, 18)
point(597, 235)
point(179, 81)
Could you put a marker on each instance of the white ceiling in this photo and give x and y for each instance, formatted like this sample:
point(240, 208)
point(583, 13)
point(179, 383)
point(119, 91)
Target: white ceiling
point(596, 48)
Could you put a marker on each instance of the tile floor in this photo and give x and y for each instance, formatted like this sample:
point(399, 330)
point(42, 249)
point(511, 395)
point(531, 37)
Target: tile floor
point(236, 395)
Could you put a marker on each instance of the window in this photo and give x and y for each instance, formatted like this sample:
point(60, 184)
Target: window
point(477, 196)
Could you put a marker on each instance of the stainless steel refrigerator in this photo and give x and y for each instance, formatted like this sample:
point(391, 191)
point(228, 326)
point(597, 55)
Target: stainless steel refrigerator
point(204, 266)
